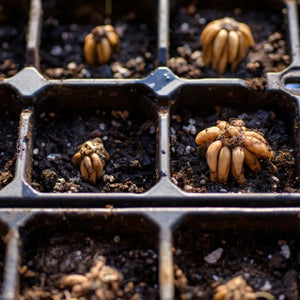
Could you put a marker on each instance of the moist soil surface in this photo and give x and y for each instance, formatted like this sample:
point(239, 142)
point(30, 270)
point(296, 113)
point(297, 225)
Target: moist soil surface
point(129, 139)
point(206, 258)
point(130, 265)
point(189, 169)
point(269, 54)
point(12, 40)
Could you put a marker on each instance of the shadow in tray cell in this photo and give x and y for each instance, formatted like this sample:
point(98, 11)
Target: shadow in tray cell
point(104, 256)
point(13, 25)
point(262, 250)
point(8, 145)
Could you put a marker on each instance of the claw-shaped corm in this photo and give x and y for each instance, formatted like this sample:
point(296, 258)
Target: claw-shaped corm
point(225, 41)
point(90, 158)
point(238, 289)
point(229, 146)
point(100, 45)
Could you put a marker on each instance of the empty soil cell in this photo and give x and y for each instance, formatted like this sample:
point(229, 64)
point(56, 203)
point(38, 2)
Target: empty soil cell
point(61, 51)
point(129, 262)
point(266, 256)
point(269, 29)
point(129, 138)
point(190, 171)
point(8, 146)
point(13, 26)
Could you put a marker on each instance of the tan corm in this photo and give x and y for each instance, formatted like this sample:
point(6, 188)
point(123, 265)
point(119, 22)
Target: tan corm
point(90, 157)
point(237, 289)
point(229, 146)
point(102, 281)
point(225, 41)
point(100, 44)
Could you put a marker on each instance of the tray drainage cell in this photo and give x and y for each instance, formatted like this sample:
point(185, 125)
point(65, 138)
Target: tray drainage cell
point(274, 115)
point(67, 23)
point(128, 135)
point(262, 249)
point(104, 256)
point(13, 26)
point(265, 19)
point(292, 84)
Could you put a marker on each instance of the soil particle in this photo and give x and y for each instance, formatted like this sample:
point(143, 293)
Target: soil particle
point(130, 141)
point(48, 179)
point(269, 54)
point(127, 186)
point(190, 171)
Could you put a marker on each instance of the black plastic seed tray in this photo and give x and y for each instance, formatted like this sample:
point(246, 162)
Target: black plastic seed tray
point(147, 105)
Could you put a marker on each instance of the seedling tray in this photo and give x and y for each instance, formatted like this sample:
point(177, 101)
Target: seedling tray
point(147, 106)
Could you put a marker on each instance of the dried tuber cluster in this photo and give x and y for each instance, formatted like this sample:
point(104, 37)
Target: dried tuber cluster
point(102, 281)
point(238, 289)
point(229, 146)
point(91, 157)
point(225, 41)
point(100, 44)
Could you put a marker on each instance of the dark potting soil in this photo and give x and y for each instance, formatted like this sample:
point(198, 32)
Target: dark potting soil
point(62, 50)
point(8, 146)
point(129, 139)
point(269, 54)
point(190, 171)
point(13, 44)
point(75, 253)
point(210, 256)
